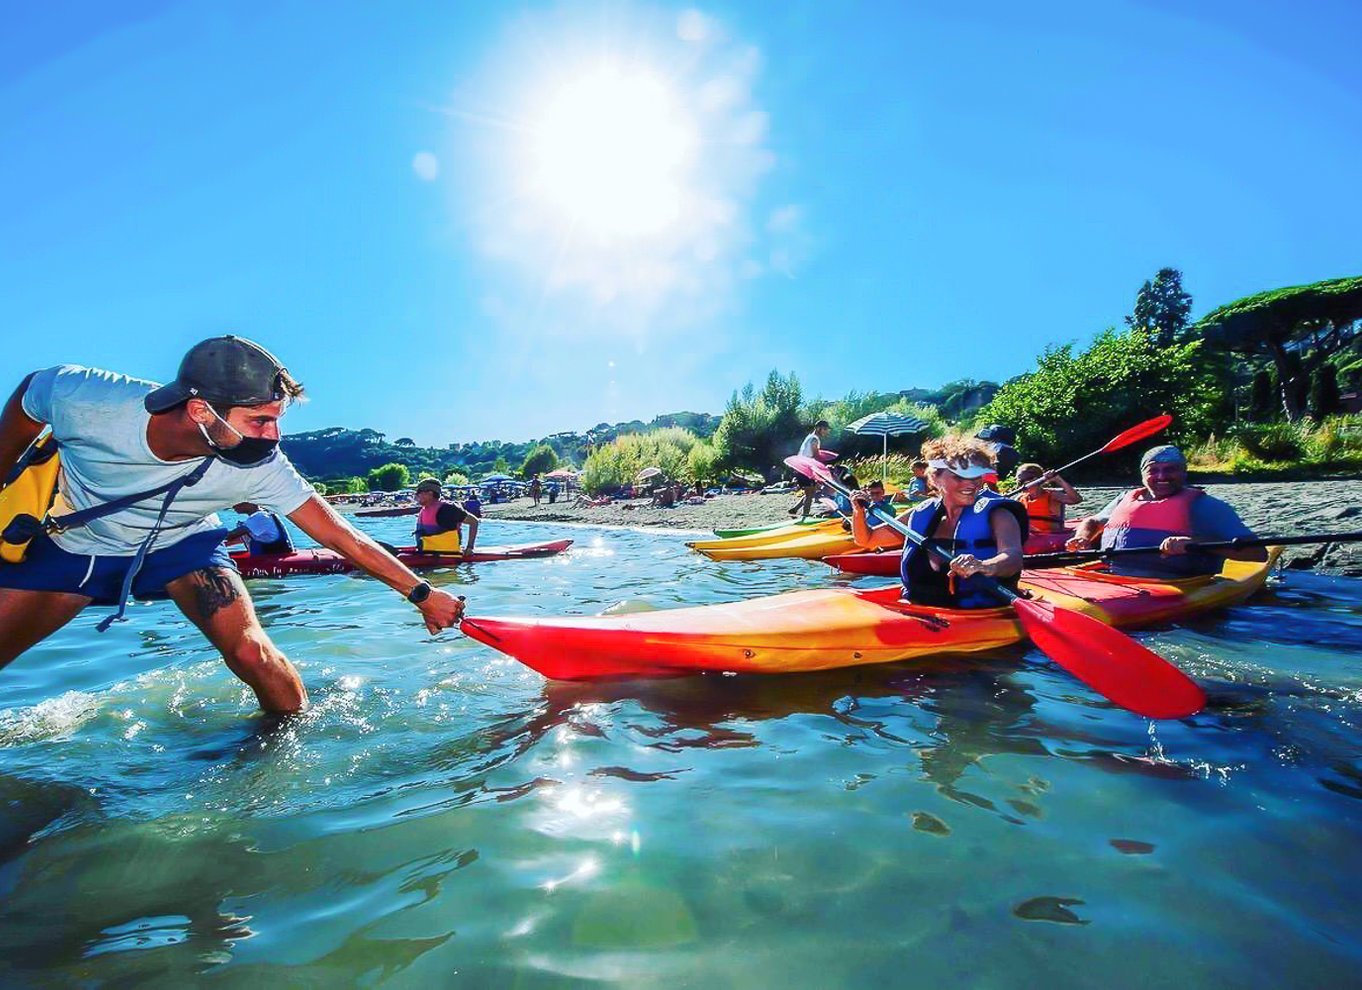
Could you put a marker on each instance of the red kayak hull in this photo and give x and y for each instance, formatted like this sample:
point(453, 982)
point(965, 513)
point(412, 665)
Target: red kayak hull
point(330, 562)
point(886, 563)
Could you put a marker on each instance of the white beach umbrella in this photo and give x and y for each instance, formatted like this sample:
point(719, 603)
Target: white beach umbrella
point(886, 424)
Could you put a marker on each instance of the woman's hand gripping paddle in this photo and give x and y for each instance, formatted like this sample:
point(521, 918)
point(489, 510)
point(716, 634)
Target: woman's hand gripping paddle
point(1104, 658)
point(1122, 440)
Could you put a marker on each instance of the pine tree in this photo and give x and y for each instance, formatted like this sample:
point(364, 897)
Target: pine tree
point(1162, 307)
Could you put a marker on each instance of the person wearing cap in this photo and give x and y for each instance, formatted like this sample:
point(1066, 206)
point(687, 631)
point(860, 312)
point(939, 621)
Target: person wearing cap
point(129, 451)
point(983, 530)
point(262, 530)
point(439, 525)
point(1169, 514)
point(1000, 440)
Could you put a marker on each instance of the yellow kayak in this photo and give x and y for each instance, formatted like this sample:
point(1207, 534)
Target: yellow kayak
point(809, 546)
point(770, 538)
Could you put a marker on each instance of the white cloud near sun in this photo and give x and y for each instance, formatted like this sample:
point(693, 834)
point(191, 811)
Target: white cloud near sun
point(614, 172)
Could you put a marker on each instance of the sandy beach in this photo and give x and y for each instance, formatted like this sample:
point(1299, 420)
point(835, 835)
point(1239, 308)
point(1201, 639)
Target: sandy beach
point(1269, 508)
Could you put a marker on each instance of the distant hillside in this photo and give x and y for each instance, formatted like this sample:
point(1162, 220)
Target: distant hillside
point(338, 452)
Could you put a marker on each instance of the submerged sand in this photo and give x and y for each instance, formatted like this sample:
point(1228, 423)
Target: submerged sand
point(1276, 508)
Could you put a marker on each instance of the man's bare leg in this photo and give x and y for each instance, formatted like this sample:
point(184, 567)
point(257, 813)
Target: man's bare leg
point(29, 617)
point(216, 600)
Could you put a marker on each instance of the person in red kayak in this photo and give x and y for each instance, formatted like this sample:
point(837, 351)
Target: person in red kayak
point(439, 526)
point(1169, 514)
point(983, 530)
point(1045, 495)
point(144, 471)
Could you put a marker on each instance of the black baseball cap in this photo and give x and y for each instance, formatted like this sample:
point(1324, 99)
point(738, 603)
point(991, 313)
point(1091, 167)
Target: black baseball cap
point(227, 371)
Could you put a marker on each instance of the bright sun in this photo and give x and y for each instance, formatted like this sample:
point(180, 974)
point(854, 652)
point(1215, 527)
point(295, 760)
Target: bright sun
point(610, 150)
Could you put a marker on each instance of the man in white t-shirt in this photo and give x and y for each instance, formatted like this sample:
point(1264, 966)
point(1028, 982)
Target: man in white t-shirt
point(812, 448)
point(121, 437)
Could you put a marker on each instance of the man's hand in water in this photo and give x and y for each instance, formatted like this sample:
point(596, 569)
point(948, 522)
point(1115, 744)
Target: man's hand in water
point(441, 610)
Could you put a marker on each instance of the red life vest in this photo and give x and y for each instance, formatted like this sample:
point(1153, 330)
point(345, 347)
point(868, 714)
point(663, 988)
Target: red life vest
point(1140, 521)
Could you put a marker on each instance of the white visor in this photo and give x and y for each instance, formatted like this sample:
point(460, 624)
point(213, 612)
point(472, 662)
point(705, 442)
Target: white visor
point(963, 471)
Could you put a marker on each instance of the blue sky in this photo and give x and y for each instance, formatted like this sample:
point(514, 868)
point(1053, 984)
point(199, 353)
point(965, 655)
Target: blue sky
point(462, 221)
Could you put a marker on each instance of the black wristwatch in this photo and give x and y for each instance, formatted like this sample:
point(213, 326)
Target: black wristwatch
point(419, 594)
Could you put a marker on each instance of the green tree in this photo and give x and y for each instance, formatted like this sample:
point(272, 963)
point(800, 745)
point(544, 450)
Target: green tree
point(501, 465)
point(613, 465)
point(1324, 396)
point(389, 478)
point(540, 460)
point(456, 478)
point(702, 463)
point(1261, 406)
point(759, 429)
point(1162, 307)
point(1289, 325)
point(1075, 402)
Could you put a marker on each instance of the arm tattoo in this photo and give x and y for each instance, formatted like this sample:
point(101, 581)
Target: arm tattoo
point(214, 590)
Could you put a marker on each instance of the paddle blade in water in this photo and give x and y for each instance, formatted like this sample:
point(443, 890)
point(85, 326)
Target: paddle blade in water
point(1110, 662)
point(1138, 432)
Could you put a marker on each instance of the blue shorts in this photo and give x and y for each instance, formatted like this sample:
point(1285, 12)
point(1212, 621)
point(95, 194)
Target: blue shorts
point(47, 567)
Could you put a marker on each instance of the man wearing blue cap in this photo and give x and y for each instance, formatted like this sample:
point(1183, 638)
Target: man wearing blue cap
point(144, 470)
point(1169, 514)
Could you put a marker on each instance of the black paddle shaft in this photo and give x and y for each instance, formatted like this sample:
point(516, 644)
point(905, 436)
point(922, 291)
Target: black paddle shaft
point(1238, 543)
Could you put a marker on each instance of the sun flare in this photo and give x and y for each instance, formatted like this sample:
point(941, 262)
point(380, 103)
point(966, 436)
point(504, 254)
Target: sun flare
point(610, 150)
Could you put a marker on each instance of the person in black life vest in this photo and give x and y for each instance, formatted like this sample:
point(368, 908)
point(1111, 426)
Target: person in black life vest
point(262, 530)
point(983, 530)
point(1169, 514)
point(439, 524)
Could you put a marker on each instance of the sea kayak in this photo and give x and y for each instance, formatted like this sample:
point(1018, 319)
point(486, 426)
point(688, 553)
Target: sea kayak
point(732, 534)
point(885, 563)
point(330, 562)
point(397, 510)
point(839, 627)
point(770, 539)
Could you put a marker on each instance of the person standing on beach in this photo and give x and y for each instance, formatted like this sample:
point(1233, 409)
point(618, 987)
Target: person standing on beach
point(812, 447)
point(165, 460)
point(536, 489)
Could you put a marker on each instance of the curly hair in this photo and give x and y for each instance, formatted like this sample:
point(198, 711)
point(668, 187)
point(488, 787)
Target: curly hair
point(958, 448)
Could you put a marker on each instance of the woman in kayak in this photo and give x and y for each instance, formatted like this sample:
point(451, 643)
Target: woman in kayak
point(1045, 494)
point(983, 530)
point(438, 526)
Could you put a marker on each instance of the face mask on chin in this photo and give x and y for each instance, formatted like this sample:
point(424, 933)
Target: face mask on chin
point(249, 452)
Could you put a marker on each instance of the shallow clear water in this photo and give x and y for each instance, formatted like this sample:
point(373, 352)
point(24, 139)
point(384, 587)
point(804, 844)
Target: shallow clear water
point(443, 813)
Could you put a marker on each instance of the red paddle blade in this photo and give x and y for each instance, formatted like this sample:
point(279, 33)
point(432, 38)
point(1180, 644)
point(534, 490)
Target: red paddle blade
point(1110, 662)
point(808, 467)
point(1139, 432)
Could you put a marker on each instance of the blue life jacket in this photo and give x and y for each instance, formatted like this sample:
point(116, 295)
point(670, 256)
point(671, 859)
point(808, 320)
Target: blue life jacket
point(973, 535)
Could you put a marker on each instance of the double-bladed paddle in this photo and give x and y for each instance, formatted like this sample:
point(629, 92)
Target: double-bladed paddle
point(1135, 434)
point(1063, 558)
point(1105, 659)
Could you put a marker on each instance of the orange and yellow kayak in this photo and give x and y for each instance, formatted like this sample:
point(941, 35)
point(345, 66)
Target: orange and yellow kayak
point(839, 627)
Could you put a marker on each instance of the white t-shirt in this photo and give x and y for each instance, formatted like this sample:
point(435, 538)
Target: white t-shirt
point(810, 446)
point(101, 427)
point(262, 527)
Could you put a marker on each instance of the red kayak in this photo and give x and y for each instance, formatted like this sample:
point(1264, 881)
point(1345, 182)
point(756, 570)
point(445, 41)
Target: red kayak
point(886, 562)
point(400, 510)
point(330, 562)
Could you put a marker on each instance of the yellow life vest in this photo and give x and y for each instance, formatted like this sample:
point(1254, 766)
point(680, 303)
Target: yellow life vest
point(26, 501)
point(446, 542)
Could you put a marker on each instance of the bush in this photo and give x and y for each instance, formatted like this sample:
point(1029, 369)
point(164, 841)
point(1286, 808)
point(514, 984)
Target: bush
point(1274, 441)
point(456, 478)
point(389, 478)
point(1074, 403)
point(612, 466)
